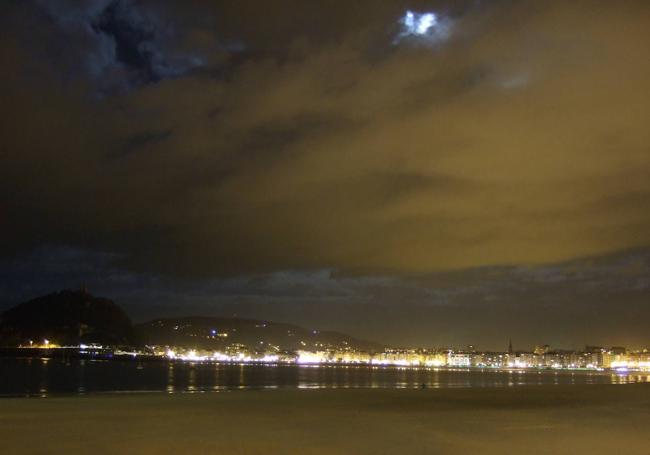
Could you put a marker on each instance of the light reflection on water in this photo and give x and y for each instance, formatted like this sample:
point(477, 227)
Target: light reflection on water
point(42, 377)
point(629, 378)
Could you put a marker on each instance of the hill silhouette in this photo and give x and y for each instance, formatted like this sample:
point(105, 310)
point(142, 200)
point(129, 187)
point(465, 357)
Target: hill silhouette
point(66, 318)
point(218, 332)
point(69, 318)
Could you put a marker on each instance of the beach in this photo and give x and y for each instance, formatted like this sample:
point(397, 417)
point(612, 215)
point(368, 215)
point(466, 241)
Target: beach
point(590, 419)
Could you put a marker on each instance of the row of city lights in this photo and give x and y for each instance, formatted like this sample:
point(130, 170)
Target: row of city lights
point(318, 358)
point(315, 358)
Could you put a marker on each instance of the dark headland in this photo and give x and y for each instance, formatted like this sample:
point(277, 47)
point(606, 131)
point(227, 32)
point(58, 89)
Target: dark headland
point(74, 317)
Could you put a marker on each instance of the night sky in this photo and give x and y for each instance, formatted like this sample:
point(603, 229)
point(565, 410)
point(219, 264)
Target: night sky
point(473, 172)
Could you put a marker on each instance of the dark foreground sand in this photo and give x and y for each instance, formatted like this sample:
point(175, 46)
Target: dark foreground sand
point(609, 419)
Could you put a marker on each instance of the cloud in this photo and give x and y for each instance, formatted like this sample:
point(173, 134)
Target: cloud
point(118, 44)
point(521, 139)
point(423, 28)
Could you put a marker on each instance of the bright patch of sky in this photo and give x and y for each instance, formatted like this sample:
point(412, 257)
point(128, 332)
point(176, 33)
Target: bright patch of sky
point(426, 27)
point(418, 24)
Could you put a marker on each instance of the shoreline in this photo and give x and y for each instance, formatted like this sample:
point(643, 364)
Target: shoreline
point(38, 354)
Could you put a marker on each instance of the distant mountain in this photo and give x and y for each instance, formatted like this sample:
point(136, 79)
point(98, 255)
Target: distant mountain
point(73, 317)
point(66, 318)
point(218, 333)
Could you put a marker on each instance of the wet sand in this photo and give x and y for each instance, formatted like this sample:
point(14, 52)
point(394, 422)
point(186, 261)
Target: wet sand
point(591, 419)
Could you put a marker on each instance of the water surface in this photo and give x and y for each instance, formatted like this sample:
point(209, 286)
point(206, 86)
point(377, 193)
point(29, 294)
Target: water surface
point(42, 377)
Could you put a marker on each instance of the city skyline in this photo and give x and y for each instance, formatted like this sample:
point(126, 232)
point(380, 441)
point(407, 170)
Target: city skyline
point(41, 322)
point(77, 324)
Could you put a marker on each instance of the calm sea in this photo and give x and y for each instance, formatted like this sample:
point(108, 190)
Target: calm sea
point(42, 377)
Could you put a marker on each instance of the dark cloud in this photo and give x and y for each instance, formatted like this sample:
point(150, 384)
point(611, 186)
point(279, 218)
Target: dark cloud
point(143, 140)
point(243, 139)
point(118, 44)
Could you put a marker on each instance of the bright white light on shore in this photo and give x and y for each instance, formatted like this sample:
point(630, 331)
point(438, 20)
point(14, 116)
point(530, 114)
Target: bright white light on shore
point(306, 357)
point(191, 355)
point(270, 359)
point(220, 357)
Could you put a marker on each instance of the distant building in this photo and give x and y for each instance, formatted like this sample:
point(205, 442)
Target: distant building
point(459, 359)
point(542, 349)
